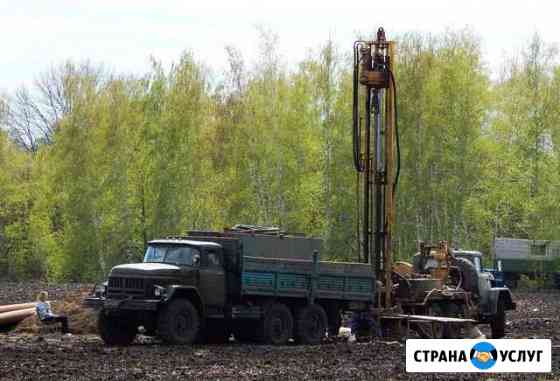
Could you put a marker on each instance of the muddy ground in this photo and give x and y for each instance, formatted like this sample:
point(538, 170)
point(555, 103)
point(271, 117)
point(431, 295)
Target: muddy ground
point(24, 356)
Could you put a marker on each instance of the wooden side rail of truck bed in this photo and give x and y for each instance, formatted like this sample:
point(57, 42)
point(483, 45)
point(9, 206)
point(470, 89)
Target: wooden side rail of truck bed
point(303, 278)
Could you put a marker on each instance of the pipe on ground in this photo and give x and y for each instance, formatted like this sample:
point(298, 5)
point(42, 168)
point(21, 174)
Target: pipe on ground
point(16, 307)
point(12, 317)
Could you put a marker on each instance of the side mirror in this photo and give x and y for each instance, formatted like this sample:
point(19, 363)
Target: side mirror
point(196, 259)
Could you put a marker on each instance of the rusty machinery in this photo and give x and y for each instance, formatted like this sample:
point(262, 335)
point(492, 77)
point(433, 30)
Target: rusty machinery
point(432, 286)
point(374, 126)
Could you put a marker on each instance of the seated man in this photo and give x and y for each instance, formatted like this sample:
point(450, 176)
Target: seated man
point(45, 314)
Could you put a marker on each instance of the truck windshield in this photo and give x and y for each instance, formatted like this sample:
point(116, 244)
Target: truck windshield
point(477, 264)
point(475, 260)
point(177, 255)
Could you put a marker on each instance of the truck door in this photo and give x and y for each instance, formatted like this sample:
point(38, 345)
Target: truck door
point(212, 284)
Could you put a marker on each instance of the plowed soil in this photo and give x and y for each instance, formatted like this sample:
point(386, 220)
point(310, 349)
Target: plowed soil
point(27, 354)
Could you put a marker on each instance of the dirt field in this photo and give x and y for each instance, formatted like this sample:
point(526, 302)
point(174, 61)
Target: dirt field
point(23, 356)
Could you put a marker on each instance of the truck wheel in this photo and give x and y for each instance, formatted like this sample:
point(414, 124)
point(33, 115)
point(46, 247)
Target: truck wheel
point(115, 330)
point(179, 322)
point(311, 324)
point(498, 324)
point(277, 325)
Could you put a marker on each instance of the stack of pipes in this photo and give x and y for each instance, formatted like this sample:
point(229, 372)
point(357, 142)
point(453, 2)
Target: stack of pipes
point(14, 313)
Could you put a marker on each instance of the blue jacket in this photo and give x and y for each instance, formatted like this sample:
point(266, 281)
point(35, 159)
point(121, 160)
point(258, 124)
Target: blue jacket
point(43, 310)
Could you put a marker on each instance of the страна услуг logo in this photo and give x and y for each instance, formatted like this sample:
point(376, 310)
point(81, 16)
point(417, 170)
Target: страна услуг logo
point(483, 355)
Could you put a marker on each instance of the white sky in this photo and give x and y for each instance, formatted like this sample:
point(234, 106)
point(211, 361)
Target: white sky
point(122, 34)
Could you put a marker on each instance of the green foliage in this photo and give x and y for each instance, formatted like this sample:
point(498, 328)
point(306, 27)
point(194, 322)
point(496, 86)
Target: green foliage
point(443, 102)
point(536, 283)
point(16, 254)
point(555, 265)
point(130, 159)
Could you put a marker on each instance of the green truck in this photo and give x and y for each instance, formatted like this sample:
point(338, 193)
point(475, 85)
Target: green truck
point(206, 286)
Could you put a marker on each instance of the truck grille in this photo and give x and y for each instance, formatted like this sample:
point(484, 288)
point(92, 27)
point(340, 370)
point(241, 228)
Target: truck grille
point(126, 287)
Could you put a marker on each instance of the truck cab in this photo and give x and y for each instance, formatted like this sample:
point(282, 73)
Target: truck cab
point(474, 256)
point(135, 294)
point(494, 301)
point(183, 264)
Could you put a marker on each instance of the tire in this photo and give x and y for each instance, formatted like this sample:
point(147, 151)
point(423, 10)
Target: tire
point(277, 325)
point(311, 324)
point(116, 330)
point(179, 322)
point(498, 324)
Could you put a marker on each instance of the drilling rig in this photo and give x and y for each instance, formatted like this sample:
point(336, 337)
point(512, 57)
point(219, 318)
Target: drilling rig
point(375, 138)
point(437, 289)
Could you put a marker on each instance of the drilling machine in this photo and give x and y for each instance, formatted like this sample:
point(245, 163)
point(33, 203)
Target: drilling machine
point(437, 288)
point(378, 168)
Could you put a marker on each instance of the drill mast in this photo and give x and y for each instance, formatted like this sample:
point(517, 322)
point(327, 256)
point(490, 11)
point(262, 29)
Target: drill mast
point(376, 155)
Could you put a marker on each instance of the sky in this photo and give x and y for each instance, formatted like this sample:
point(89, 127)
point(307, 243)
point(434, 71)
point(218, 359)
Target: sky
point(123, 34)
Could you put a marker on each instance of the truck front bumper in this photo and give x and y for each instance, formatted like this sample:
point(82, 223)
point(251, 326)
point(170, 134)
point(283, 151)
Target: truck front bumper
point(122, 304)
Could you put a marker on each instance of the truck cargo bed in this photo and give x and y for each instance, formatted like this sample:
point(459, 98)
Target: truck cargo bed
point(300, 278)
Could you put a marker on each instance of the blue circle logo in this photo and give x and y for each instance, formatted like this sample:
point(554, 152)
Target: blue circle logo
point(483, 355)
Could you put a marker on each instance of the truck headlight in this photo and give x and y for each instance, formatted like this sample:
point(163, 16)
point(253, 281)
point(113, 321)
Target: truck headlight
point(100, 289)
point(159, 291)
